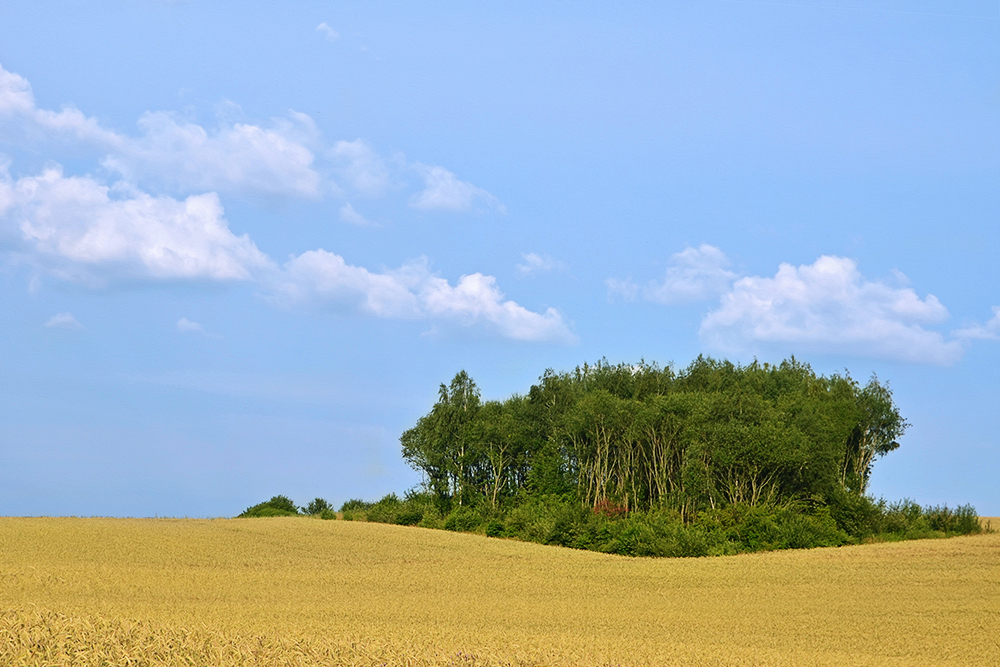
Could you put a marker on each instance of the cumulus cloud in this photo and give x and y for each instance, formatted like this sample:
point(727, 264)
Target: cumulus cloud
point(829, 306)
point(73, 223)
point(64, 321)
point(239, 157)
point(321, 276)
point(327, 31)
point(476, 298)
point(361, 167)
point(17, 105)
point(988, 331)
point(443, 191)
point(352, 217)
point(535, 264)
point(413, 292)
point(275, 159)
point(694, 274)
point(232, 158)
point(79, 228)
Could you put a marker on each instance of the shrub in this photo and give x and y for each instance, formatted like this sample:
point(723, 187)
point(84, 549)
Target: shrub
point(353, 505)
point(317, 506)
point(962, 520)
point(276, 506)
point(463, 519)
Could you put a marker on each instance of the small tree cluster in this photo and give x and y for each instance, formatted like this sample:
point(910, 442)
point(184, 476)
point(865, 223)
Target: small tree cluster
point(641, 437)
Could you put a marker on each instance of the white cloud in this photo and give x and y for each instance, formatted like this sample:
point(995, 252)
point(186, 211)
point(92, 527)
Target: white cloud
point(829, 306)
point(535, 264)
point(178, 156)
point(443, 191)
point(695, 274)
point(361, 167)
point(622, 287)
point(413, 292)
point(232, 158)
point(988, 331)
point(327, 31)
point(352, 217)
point(17, 102)
point(184, 325)
point(476, 298)
point(321, 276)
point(76, 226)
point(64, 321)
point(15, 94)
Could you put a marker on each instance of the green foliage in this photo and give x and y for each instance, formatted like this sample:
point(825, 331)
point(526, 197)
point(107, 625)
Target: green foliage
point(354, 505)
point(318, 506)
point(642, 437)
point(645, 461)
point(276, 506)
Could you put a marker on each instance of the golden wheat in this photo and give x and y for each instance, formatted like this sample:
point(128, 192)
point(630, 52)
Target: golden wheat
point(305, 592)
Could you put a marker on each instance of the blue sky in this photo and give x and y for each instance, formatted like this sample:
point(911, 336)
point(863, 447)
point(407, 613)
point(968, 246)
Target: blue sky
point(242, 244)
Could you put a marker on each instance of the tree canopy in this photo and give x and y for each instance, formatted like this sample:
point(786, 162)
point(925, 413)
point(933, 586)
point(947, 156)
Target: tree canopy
point(643, 437)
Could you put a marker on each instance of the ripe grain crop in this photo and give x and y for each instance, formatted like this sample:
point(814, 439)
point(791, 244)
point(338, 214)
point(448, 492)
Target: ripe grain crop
point(305, 592)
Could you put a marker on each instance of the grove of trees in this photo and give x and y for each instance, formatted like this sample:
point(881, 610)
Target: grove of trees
point(716, 458)
point(627, 438)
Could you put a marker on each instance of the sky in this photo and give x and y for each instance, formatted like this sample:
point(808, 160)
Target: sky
point(241, 244)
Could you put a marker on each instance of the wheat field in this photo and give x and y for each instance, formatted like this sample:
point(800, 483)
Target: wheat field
point(308, 592)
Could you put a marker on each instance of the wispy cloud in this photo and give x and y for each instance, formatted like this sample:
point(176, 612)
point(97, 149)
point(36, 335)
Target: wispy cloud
point(362, 169)
point(830, 307)
point(622, 288)
point(352, 217)
point(694, 274)
point(535, 264)
point(988, 331)
point(238, 157)
point(443, 191)
point(64, 321)
point(329, 33)
point(278, 158)
point(184, 325)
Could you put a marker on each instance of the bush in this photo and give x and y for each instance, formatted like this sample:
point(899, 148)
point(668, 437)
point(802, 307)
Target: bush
point(963, 520)
point(317, 506)
point(276, 506)
point(858, 516)
point(354, 505)
point(463, 519)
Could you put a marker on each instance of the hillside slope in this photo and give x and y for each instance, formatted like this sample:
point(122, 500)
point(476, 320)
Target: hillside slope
point(299, 591)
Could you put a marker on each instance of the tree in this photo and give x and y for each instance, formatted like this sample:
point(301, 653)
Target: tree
point(442, 444)
point(317, 506)
point(878, 428)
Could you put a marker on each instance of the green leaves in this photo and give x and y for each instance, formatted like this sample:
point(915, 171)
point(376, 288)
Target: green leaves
point(644, 437)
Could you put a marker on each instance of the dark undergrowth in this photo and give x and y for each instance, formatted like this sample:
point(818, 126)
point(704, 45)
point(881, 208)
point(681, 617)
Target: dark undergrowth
point(732, 529)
